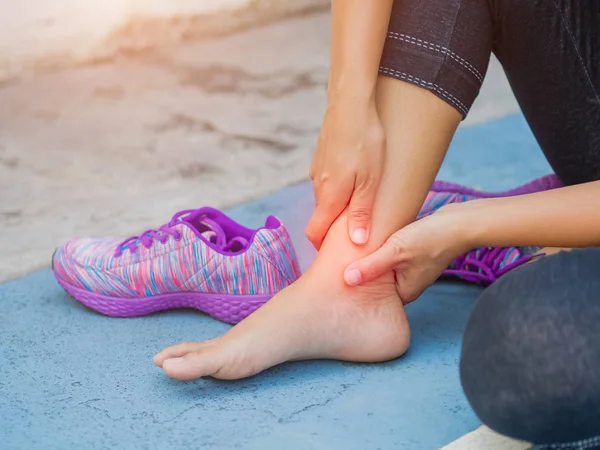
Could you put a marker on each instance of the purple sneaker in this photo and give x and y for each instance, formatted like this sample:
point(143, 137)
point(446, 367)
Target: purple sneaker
point(442, 193)
point(483, 266)
point(201, 259)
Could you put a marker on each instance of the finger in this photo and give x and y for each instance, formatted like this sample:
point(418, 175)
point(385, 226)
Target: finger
point(317, 159)
point(330, 202)
point(375, 265)
point(176, 351)
point(312, 171)
point(322, 218)
point(360, 210)
point(318, 226)
point(191, 366)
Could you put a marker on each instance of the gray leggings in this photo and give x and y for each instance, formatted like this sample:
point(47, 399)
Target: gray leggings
point(530, 363)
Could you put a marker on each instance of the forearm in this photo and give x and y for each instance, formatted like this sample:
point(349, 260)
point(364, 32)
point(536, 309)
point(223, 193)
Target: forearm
point(566, 217)
point(358, 31)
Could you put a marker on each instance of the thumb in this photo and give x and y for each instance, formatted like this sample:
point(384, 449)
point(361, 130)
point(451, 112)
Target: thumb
point(360, 212)
point(375, 265)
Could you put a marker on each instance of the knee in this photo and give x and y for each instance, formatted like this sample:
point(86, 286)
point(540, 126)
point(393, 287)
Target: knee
point(530, 355)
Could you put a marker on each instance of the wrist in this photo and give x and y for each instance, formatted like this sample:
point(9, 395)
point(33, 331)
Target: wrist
point(471, 222)
point(350, 104)
point(461, 225)
point(351, 90)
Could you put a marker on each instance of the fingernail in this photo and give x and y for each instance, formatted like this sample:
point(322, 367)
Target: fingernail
point(360, 236)
point(353, 277)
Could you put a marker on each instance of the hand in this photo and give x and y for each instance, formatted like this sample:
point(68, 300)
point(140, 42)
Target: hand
point(418, 253)
point(346, 170)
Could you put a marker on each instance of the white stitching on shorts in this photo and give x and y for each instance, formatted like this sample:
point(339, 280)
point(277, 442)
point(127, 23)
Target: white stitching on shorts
point(426, 84)
point(578, 445)
point(438, 48)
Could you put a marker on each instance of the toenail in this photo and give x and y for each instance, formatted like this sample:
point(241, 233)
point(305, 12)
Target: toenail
point(353, 277)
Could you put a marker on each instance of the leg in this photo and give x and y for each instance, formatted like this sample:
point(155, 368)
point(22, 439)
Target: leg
point(550, 50)
point(531, 352)
point(319, 316)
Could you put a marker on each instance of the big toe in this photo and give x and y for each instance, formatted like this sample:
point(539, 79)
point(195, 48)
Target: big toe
point(177, 351)
point(200, 363)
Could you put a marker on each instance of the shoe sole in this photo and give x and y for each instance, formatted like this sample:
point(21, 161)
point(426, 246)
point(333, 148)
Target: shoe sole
point(228, 308)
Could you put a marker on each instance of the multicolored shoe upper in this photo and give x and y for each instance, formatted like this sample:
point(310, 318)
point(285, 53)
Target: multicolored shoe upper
point(483, 265)
point(200, 250)
point(443, 193)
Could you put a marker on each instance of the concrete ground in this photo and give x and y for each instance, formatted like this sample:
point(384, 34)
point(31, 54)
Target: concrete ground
point(74, 379)
point(114, 148)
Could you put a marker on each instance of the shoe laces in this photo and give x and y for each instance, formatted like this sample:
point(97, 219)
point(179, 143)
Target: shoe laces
point(485, 265)
point(214, 233)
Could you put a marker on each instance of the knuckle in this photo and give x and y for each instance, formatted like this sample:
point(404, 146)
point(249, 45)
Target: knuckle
point(331, 202)
point(366, 182)
point(398, 246)
point(371, 270)
point(311, 234)
point(369, 177)
point(323, 177)
point(359, 213)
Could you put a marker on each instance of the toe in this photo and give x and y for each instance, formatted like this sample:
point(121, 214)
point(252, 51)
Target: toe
point(176, 351)
point(194, 365)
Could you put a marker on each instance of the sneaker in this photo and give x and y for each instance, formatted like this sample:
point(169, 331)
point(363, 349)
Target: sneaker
point(484, 265)
point(442, 193)
point(201, 259)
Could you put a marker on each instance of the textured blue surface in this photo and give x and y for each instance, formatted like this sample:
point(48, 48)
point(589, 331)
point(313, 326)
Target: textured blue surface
point(72, 379)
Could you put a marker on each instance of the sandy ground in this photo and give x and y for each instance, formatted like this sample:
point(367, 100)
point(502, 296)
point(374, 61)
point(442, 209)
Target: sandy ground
point(115, 148)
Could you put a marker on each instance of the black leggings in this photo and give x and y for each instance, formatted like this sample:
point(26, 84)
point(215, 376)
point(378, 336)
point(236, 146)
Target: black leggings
point(550, 51)
point(530, 364)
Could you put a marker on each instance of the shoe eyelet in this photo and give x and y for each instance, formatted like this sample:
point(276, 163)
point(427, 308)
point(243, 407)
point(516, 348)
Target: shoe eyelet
point(178, 237)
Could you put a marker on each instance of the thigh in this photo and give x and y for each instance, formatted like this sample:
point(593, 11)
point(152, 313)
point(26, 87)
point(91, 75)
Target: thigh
point(531, 351)
point(550, 50)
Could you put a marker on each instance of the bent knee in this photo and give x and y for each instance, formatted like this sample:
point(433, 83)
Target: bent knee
point(531, 350)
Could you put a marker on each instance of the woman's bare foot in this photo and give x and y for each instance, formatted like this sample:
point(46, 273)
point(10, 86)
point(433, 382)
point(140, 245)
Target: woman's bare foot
point(315, 318)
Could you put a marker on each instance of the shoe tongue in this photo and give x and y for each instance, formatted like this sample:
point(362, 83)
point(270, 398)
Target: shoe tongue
point(204, 222)
point(207, 227)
